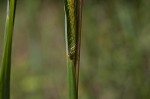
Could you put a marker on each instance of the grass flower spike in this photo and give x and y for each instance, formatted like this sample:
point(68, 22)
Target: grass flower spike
point(73, 16)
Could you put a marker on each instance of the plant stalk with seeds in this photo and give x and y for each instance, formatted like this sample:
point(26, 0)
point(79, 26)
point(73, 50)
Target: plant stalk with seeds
point(6, 60)
point(73, 23)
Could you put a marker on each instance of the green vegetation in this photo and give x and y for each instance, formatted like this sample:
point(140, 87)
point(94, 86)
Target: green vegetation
point(73, 11)
point(115, 51)
point(6, 60)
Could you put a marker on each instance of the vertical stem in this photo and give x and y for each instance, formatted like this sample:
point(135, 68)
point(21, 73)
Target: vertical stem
point(73, 18)
point(79, 26)
point(6, 60)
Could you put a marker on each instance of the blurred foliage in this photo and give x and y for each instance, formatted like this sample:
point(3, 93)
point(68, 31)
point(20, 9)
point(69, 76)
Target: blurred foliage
point(115, 55)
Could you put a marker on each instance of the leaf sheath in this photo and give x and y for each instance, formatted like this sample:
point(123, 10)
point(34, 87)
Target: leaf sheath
point(73, 20)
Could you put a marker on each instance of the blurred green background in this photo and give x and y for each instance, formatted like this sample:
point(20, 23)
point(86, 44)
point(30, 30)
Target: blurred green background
point(115, 52)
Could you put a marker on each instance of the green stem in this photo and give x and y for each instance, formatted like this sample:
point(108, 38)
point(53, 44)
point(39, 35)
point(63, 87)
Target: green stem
point(73, 16)
point(6, 60)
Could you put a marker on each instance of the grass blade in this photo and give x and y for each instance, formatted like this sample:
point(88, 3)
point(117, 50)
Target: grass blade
point(6, 60)
point(73, 16)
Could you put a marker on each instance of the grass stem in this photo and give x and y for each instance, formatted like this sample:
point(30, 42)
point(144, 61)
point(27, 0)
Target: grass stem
point(73, 20)
point(6, 60)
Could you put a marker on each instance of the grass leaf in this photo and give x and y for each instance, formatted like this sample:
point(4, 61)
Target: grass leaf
point(6, 60)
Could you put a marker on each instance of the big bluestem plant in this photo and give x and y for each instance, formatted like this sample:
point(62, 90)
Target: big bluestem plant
point(6, 59)
point(73, 23)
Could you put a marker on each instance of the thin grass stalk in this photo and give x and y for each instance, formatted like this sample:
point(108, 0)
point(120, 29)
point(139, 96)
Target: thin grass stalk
point(73, 20)
point(6, 60)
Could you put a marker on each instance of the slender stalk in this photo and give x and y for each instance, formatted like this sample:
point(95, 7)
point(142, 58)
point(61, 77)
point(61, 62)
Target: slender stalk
point(6, 60)
point(73, 20)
